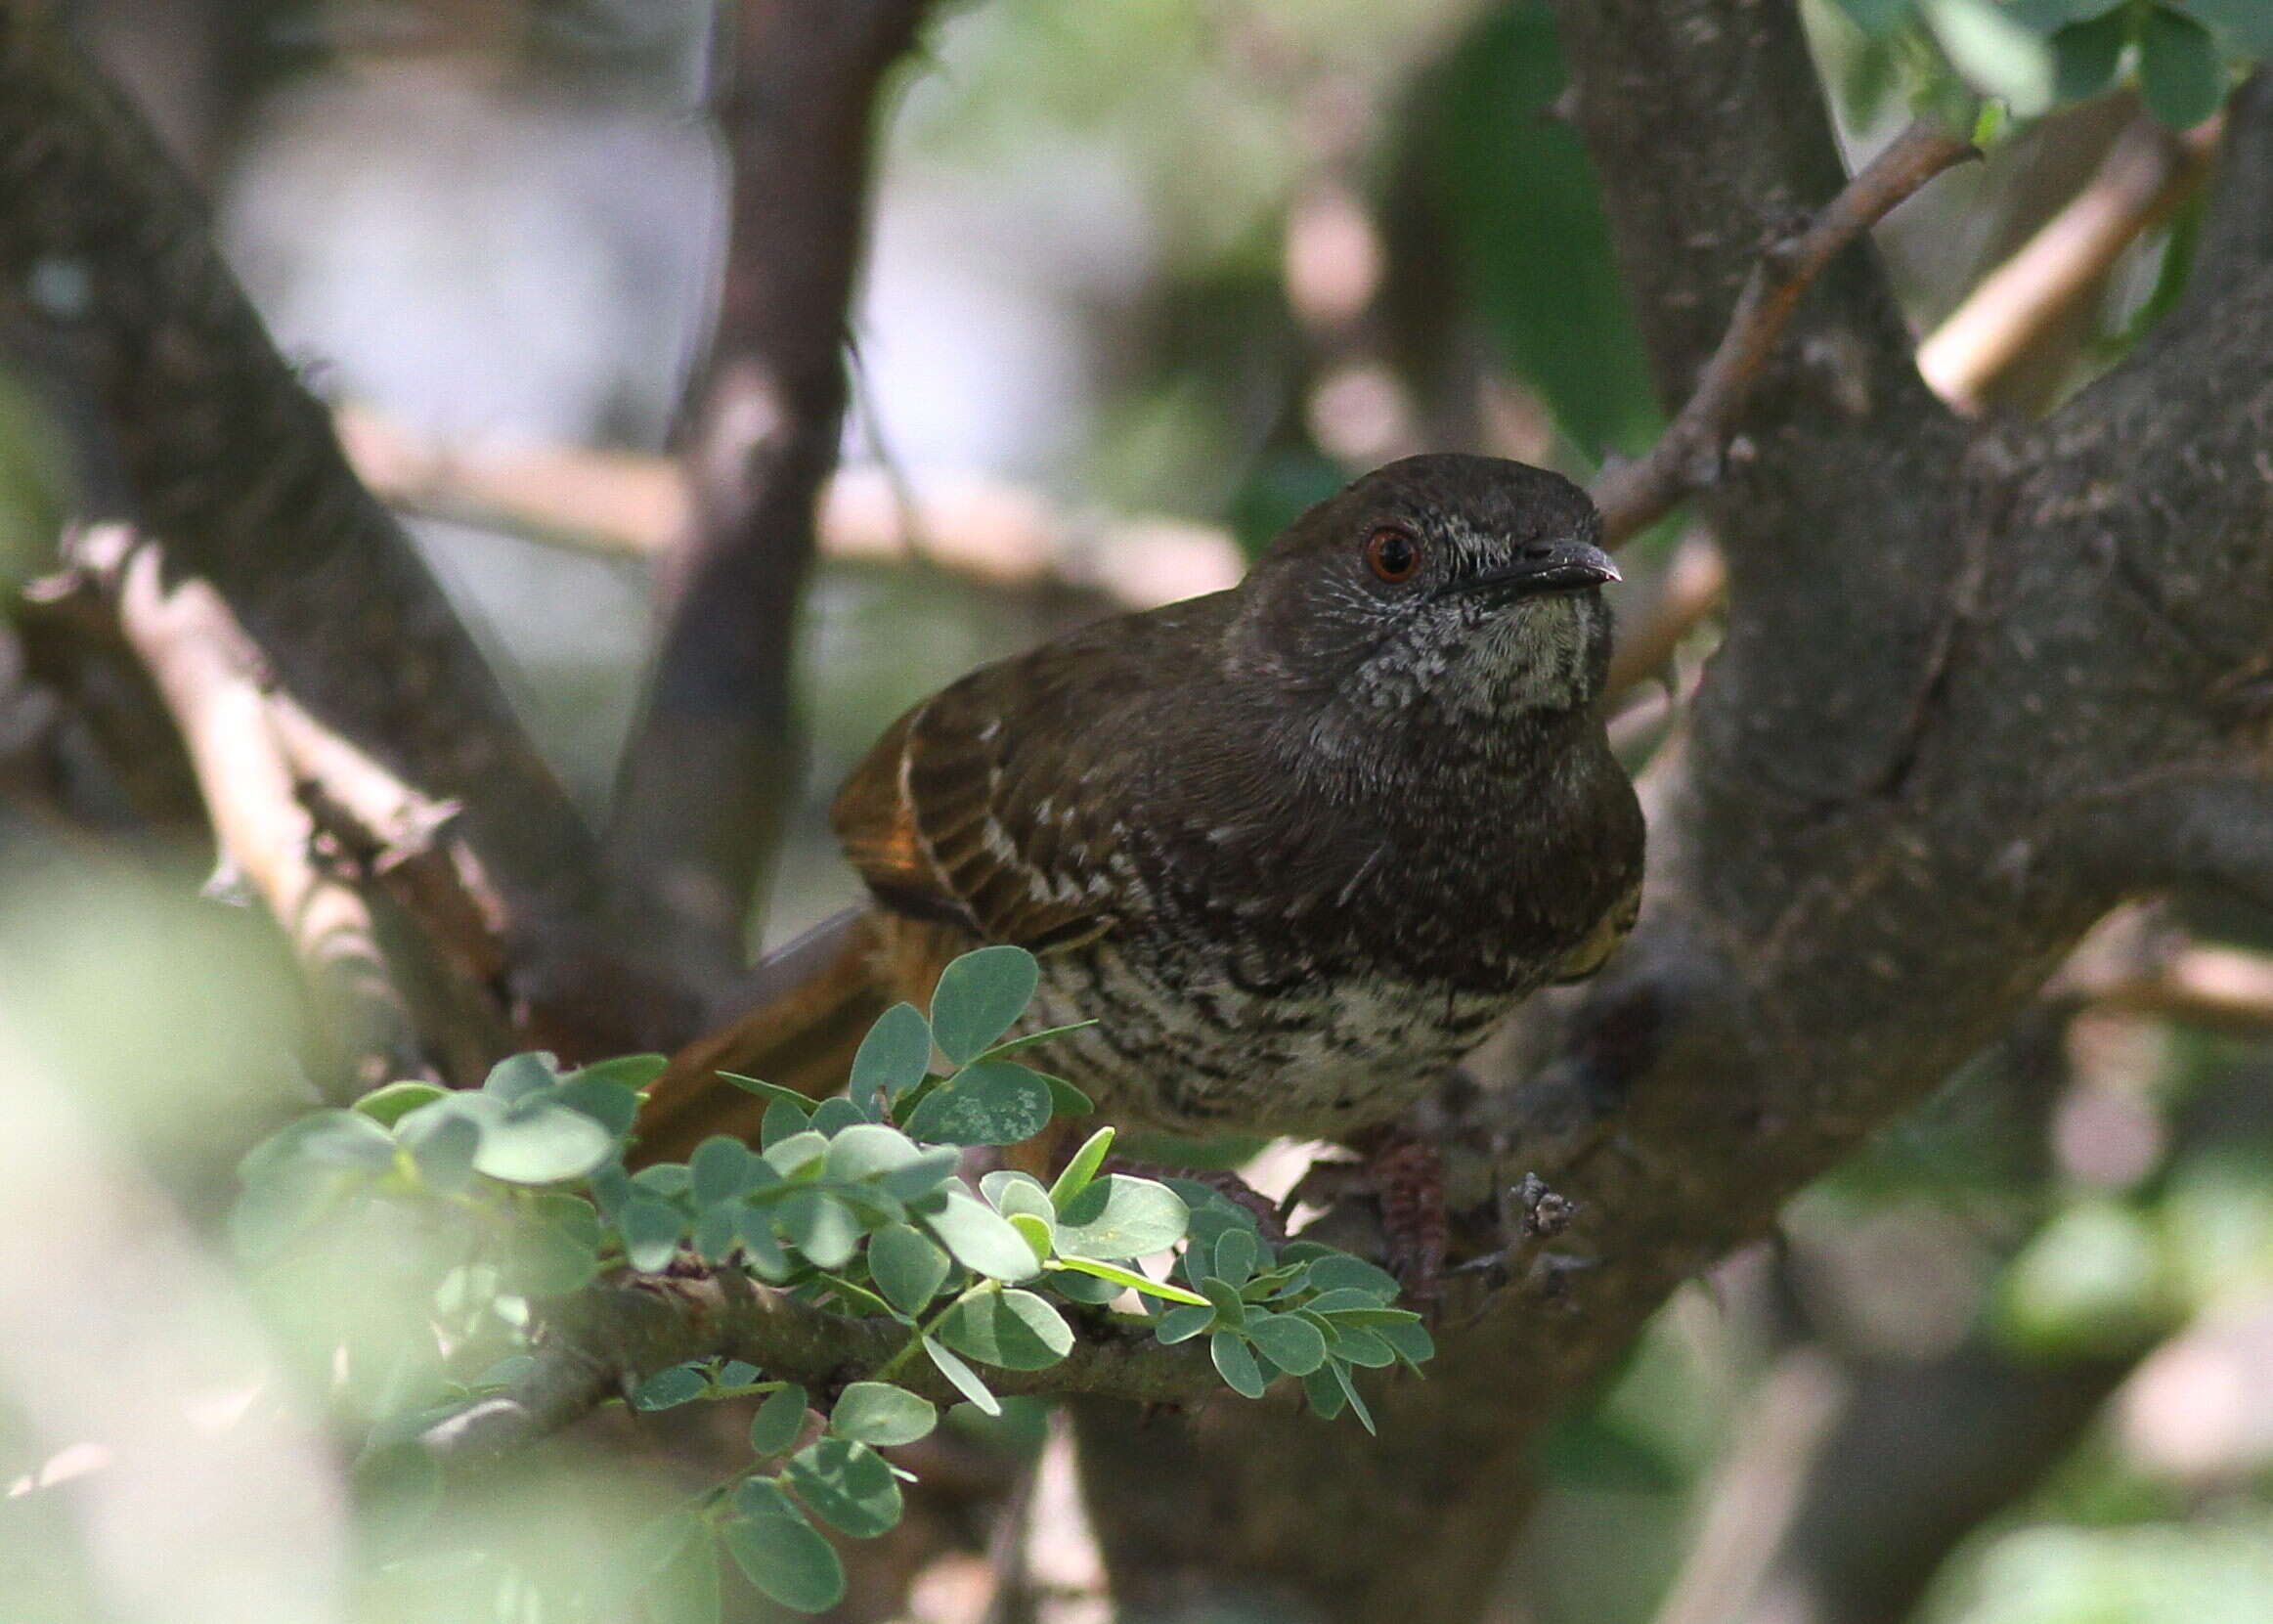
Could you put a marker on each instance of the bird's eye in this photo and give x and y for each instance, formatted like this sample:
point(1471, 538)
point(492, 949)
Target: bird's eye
point(1392, 554)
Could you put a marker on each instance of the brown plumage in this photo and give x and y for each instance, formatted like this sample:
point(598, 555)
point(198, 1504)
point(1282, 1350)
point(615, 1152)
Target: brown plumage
point(1296, 846)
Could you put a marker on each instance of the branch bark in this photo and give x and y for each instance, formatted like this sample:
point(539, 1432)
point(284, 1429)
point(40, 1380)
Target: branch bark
point(713, 760)
point(235, 466)
point(1947, 648)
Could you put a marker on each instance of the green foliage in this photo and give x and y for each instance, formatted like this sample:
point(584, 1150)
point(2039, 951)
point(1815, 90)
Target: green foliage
point(1535, 260)
point(2035, 55)
point(854, 1204)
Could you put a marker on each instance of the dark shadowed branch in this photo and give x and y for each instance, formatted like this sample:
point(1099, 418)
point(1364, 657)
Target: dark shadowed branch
point(713, 761)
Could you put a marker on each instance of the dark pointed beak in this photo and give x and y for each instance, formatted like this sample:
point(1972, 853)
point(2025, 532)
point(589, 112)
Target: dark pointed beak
point(1546, 568)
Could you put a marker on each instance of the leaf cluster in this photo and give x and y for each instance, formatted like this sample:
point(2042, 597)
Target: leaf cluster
point(2035, 55)
point(856, 1204)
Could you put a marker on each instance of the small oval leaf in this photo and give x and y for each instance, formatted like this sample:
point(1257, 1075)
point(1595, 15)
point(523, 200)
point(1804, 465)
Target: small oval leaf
point(978, 998)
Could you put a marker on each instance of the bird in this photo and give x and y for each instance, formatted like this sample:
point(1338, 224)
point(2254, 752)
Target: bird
point(1294, 847)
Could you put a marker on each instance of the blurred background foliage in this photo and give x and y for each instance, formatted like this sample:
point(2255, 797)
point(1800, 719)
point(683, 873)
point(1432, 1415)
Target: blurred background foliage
point(1195, 259)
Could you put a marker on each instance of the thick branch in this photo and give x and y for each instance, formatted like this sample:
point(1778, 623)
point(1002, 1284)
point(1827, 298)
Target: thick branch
point(713, 761)
point(235, 466)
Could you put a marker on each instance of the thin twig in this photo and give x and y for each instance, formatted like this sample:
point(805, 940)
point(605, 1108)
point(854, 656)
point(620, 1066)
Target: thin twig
point(2144, 178)
point(631, 504)
point(1691, 589)
point(1688, 456)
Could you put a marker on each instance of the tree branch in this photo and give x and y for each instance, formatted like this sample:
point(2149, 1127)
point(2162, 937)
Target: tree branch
point(606, 1340)
point(1689, 455)
point(208, 673)
point(713, 760)
point(235, 466)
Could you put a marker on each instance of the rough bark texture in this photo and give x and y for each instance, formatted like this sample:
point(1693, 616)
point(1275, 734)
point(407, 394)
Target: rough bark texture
point(1978, 684)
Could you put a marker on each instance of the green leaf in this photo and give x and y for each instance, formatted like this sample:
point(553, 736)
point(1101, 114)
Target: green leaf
point(1118, 1217)
point(390, 1105)
point(1036, 1231)
point(761, 1248)
point(2248, 24)
point(881, 1413)
point(721, 1168)
point(1357, 1345)
point(929, 1173)
point(633, 1071)
point(775, 1428)
point(612, 1105)
point(1293, 1344)
point(1412, 1343)
point(651, 1230)
point(1534, 262)
point(908, 1268)
point(1010, 1329)
point(736, 1373)
point(790, 1156)
point(993, 1102)
point(1131, 1280)
point(2182, 79)
point(686, 1589)
point(526, 1138)
point(519, 1077)
point(962, 1378)
point(894, 1055)
point(1066, 1100)
point(667, 1180)
point(870, 1150)
point(1224, 1299)
point(550, 1260)
point(2085, 55)
point(717, 1232)
point(668, 1388)
point(1012, 1045)
point(979, 995)
point(1181, 1325)
point(786, 1557)
point(1236, 1363)
point(821, 1227)
point(332, 1139)
point(1349, 1390)
point(982, 1239)
point(1082, 1168)
point(1879, 18)
point(1324, 1393)
point(1994, 54)
point(771, 1092)
point(1341, 1272)
point(835, 1116)
point(848, 1485)
point(442, 1147)
point(1235, 1252)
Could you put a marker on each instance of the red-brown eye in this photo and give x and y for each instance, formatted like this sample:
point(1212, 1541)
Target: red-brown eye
point(1392, 554)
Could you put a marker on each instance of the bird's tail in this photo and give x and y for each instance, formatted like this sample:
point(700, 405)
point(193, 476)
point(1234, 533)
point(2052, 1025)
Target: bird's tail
point(812, 1002)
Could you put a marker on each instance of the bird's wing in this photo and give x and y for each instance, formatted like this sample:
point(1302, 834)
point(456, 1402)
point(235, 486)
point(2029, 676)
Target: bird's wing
point(990, 803)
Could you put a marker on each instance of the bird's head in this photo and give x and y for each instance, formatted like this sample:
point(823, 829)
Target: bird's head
point(1465, 589)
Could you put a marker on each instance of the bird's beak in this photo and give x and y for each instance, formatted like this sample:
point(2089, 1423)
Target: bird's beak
point(1544, 569)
